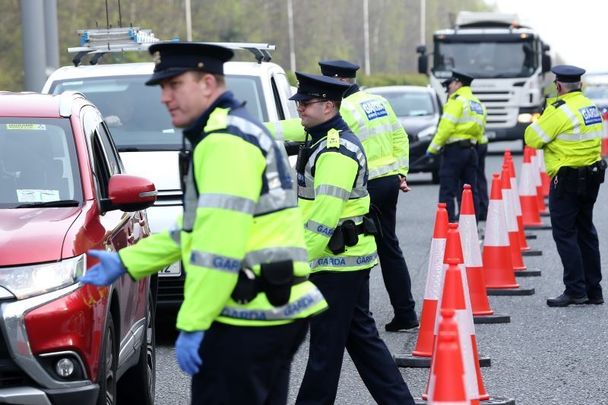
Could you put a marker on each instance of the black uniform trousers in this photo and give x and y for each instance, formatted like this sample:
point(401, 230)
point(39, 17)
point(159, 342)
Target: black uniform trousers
point(384, 194)
point(483, 198)
point(458, 166)
point(576, 239)
point(246, 365)
point(348, 323)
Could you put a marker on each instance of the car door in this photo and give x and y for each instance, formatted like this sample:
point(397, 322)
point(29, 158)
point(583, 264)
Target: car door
point(121, 228)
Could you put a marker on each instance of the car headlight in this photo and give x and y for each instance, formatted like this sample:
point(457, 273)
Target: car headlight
point(527, 118)
point(427, 132)
point(36, 279)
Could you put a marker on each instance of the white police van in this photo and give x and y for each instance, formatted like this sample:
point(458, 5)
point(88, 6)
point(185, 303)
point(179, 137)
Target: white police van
point(141, 127)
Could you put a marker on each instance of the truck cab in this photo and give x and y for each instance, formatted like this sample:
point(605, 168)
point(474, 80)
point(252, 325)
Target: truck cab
point(141, 127)
point(508, 60)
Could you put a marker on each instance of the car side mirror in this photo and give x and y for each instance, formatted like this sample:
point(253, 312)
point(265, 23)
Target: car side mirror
point(130, 193)
point(546, 63)
point(423, 62)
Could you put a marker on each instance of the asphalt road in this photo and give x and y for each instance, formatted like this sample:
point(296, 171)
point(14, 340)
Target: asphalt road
point(545, 356)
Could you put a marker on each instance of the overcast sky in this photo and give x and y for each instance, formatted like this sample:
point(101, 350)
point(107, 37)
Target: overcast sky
point(576, 29)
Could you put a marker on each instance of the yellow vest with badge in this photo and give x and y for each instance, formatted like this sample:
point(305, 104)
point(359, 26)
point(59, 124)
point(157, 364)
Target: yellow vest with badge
point(569, 131)
point(463, 118)
point(240, 217)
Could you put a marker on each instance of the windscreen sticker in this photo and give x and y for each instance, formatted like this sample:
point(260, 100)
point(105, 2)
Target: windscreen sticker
point(30, 127)
point(33, 196)
point(476, 107)
point(374, 109)
point(591, 115)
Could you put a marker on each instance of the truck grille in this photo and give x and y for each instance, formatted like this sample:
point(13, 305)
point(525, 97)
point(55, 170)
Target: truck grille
point(499, 105)
point(170, 290)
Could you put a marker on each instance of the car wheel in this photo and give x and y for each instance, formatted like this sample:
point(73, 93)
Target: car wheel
point(137, 385)
point(435, 176)
point(108, 364)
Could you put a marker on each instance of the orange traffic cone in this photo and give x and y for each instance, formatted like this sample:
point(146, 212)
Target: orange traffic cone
point(511, 220)
point(456, 296)
point(527, 193)
point(538, 182)
point(446, 378)
point(544, 177)
point(605, 137)
point(421, 355)
point(498, 265)
point(482, 313)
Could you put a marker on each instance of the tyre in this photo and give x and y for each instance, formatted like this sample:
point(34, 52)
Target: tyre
point(137, 385)
point(108, 364)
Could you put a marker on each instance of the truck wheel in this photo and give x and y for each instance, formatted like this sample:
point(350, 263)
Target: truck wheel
point(435, 177)
point(137, 385)
point(108, 364)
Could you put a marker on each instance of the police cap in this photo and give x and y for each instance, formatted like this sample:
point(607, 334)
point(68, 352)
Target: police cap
point(567, 73)
point(174, 58)
point(316, 86)
point(338, 68)
point(462, 77)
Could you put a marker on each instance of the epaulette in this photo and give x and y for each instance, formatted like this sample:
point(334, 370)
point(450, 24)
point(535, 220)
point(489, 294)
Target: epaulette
point(558, 103)
point(333, 138)
point(218, 119)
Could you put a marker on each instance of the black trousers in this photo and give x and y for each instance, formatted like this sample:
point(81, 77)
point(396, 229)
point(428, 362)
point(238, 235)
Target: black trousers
point(348, 323)
point(483, 197)
point(458, 166)
point(246, 365)
point(576, 239)
point(384, 194)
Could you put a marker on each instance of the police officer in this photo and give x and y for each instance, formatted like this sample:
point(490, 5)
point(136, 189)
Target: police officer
point(372, 119)
point(246, 293)
point(332, 188)
point(569, 132)
point(460, 127)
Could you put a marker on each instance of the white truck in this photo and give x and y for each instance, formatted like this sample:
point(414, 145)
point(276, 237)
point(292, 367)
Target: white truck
point(509, 62)
point(141, 127)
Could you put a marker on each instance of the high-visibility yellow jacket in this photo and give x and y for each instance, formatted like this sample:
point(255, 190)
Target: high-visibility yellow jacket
point(372, 119)
point(332, 188)
point(240, 211)
point(569, 131)
point(464, 117)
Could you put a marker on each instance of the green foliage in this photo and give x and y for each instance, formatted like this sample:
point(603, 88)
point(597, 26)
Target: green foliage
point(322, 30)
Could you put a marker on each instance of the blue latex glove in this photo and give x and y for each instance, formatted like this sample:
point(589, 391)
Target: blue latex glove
point(108, 270)
point(429, 154)
point(186, 351)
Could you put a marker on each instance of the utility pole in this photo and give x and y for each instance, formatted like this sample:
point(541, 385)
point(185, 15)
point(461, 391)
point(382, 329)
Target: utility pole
point(292, 50)
point(422, 22)
point(34, 55)
point(188, 21)
point(366, 35)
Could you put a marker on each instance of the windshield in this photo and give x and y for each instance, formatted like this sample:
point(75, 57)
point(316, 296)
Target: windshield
point(135, 115)
point(38, 161)
point(487, 59)
point(411, 104)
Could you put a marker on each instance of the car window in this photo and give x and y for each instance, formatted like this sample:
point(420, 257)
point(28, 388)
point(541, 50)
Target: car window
point(410, 104)
point(134, 114)
point(38, 161)
point(99, 163)
point(596, 92)
point(109, 150)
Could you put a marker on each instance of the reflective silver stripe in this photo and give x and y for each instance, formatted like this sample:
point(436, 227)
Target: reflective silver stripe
point(450, 118)
point(227, 202)
point(333, 191)
point(382, 170)
point(580, 137)
point(343, 261)
point(542, 134)
point(175, 234)
point(215, 262)
point(356, 220)
point(361, 131)
point(454, 140)
point(289, 311)
point(576, 125)
point(466, 119)
point(275, 254)
point(278, 130)
point(319, 228)
point(377, 130)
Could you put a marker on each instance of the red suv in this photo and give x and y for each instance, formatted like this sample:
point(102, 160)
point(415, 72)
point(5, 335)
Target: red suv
point(63, 192)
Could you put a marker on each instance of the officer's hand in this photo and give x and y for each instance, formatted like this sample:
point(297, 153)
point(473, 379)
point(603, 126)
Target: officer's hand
point(403, 185)
point(106, 271)
point(186, 351)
